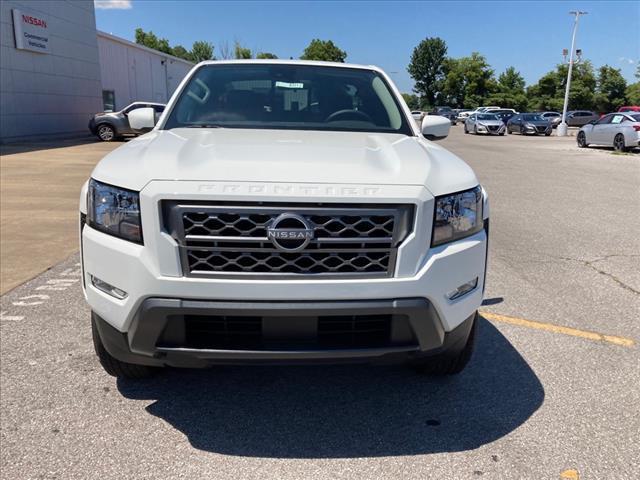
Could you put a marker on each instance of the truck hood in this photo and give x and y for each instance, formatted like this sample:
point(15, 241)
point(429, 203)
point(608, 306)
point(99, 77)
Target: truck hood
point(285, 156)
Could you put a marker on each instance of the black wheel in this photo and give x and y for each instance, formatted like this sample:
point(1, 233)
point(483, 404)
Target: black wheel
point(465, 128)
point(501, 134)
point(115, 367)
point(509, 131)
point(475, 129)
point(582, 140)
point(618, 143)
point(106, 133)
point(547, 134)
point(447, 364)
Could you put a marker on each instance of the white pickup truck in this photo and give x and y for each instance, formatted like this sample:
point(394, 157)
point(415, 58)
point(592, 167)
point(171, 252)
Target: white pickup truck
point(283, 212)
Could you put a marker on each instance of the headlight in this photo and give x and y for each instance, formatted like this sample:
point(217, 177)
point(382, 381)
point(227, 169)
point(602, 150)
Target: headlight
point(457, 216)
point(115, 211)
point(528, 125)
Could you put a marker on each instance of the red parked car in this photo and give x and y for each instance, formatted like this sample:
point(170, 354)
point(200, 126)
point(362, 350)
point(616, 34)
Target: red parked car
point(629, 109)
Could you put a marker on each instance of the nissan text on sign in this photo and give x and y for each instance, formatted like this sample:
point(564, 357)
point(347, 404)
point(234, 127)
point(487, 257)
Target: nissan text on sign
point(31, 31)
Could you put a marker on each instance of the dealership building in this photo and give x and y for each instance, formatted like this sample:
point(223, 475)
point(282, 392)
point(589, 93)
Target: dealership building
point(57, 70)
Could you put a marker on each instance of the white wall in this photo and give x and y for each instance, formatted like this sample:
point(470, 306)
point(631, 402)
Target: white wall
point(53, 93)
point(137, 73)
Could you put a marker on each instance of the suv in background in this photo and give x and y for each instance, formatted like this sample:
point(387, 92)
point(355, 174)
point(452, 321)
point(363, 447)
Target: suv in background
point(108, 126)
point(446, 112)
point(283, 211)
point(578, 118)
point(629, 109)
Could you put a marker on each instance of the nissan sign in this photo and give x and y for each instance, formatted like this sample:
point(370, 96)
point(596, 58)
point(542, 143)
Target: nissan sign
point(31, 31)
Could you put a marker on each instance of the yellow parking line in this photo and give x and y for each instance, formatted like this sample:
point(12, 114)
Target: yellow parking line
point(549, 327)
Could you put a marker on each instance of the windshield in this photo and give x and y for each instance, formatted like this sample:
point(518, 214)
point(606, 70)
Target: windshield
point(532, 118)
point(486, 116)
point(278, 96)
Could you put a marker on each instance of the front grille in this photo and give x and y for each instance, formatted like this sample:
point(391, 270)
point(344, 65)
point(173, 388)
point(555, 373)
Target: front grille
point(222, 332)
point(494, 128)
point(354, 331)
point(541, 129)
point(255, 333)
point(233, 239)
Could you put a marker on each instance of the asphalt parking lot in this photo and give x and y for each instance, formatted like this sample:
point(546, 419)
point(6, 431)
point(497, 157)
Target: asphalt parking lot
point(551, 392)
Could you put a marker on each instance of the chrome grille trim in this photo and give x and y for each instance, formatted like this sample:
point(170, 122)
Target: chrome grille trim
point(217, 241)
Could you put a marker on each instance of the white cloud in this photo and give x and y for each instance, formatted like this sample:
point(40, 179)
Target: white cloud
point(113, 4)
point(630, 61)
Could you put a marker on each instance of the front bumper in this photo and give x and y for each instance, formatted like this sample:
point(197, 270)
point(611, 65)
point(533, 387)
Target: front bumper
point(153, 271)
point(290, 333)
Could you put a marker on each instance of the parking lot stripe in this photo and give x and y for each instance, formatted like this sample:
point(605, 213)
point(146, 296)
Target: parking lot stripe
point(550, 327)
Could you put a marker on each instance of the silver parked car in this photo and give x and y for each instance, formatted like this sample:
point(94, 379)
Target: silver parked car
point(618, 130)
point(485, 123)
point(108, 126)
point(554, 117)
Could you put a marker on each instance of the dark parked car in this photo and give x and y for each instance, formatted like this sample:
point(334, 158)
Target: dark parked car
point(578, 118)
point(503, 114)
point(529, 124)
point(445, 112)
point(108, 126)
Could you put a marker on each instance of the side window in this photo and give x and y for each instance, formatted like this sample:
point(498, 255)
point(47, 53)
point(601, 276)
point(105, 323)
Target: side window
point(133, 107)
point(617, 119)
point(108, 100)
point(604, 120)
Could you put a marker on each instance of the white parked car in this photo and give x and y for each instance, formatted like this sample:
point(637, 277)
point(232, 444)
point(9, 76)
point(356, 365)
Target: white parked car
point(484, 123)
point(462, 116)
point(271, 215)
point(418, 115)
point(618, 130)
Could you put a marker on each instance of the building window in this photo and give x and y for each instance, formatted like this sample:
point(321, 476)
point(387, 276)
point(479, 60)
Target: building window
point(109, 100)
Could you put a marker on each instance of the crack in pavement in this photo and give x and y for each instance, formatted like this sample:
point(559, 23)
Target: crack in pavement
point(590, 264)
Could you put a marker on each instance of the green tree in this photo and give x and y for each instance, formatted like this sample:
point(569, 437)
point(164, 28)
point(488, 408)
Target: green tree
point(633, 94)
point(266, 55)
point(241, 52)
point(323, 50)
point(181, 52)
point(548, 93)
point(148, 39)
point(468, 81)
point(427, 68)
point(201, 51)
point(412, 101)
point(611, 89)
point(510, 91)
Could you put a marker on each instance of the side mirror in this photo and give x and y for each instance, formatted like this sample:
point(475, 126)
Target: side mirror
point(435, 127)
point(593, 122)
point(142, 119)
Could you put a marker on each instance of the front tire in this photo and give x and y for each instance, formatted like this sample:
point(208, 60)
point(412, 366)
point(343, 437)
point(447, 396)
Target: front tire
point(618, 143)
point(475, 130)
point(112, 365)
point(465, 128)
point(106, 133)
point(582, 140)
point(446, 363)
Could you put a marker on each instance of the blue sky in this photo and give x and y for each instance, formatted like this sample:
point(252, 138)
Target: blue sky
point(527, 35)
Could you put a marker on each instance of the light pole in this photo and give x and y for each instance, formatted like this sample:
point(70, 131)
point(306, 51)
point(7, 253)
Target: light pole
point(562, 128)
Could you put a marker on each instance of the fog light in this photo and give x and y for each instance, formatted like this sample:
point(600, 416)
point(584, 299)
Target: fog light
point(463, 289)
point(108, 288)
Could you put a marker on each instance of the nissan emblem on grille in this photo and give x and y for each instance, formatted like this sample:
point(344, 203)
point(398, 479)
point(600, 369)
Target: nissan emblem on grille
point(290, 232)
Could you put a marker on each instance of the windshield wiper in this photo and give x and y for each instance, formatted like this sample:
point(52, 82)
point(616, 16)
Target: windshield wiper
point(203, 125)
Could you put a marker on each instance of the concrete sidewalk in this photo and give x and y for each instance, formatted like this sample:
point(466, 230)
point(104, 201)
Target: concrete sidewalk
point(39, 190)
